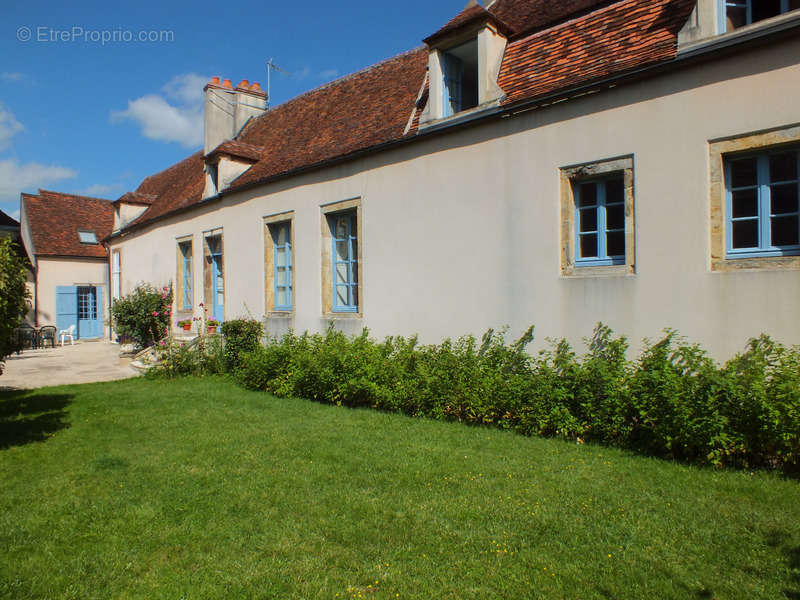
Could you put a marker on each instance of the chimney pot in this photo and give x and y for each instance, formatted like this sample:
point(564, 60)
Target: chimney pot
point(244, 84)
point(215, 80)
point(226, 83)
point(255, 87)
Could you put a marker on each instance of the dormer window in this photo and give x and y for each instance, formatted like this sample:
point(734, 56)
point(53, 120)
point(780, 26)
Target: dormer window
point(460, 78)
point(87, 237)
point(738, 13)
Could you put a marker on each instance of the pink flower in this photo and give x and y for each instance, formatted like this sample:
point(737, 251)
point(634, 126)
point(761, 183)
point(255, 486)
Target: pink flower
point(201, 304)
point(155, 313)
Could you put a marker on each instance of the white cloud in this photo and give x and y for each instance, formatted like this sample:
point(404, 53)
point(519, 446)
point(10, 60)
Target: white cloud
point(9, 127)
point(16, 177)
point(9, 76)
point(180, 122)
point(99, 190)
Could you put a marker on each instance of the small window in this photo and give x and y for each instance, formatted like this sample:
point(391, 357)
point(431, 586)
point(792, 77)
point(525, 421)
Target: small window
point(600, 221)
point(87, 237)
point(460, 78)
point(763, 204)
point(281, 234)
point(116, 275)
point(344, 237)
point(738, 13)
point(185, 276)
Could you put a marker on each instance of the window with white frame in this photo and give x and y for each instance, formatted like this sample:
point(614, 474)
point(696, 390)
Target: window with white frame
point(738, 13)
point(763, 203)
point(116, 275)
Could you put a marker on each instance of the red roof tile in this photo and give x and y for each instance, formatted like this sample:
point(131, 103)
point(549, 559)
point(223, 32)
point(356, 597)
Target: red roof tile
point(587, 40)
point(608, 41)
point(472, 13)
point(238, 149)
point(136, 198)
point(55, 219)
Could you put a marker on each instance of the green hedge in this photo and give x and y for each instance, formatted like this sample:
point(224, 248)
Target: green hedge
point(672, 401)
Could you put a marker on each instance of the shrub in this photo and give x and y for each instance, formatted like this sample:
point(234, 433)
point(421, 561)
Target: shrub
point(143, 315)
point(241, 335)
point(202, 356)
point(13, 297)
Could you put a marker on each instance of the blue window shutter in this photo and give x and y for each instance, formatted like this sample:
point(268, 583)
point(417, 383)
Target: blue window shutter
point(66, 307)
point(98, 324)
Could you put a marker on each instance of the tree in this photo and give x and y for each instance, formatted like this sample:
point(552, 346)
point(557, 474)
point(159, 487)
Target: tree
point(13, 297)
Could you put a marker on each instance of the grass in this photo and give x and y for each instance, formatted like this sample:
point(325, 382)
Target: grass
point(199, 489)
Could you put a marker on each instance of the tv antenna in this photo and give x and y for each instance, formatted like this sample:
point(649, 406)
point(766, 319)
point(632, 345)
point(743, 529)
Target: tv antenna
point(270, 67)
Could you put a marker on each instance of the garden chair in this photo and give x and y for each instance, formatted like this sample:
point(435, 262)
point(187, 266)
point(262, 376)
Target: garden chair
point(47, 333)
point(70, 333)
point(26, 337)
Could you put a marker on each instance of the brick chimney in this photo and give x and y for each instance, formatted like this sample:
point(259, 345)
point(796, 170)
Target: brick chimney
point(228, 108)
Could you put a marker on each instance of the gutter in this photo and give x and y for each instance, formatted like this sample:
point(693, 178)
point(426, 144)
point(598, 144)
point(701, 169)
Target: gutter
point(694, 54)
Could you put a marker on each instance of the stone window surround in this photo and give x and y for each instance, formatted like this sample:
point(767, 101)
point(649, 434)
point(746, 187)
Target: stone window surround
point(179, 310)
point(269, 262)
point(576, 174)
point(718, 150)
point(327, 268)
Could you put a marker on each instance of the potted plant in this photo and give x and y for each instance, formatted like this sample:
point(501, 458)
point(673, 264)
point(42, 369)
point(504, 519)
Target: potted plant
point(212, 325)
point(186, 324)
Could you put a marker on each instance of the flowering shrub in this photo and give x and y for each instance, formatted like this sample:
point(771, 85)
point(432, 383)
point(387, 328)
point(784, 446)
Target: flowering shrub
point(144, 315)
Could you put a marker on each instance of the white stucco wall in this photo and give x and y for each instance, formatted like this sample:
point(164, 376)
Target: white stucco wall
point(461, 232)
point(54, 272)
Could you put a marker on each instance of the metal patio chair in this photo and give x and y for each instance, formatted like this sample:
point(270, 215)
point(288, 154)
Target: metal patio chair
point(47, 334)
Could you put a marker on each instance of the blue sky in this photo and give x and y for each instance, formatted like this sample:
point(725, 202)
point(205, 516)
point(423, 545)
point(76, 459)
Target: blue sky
point(83, 115)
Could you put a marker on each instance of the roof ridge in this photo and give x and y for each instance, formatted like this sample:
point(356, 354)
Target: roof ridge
point(71, 195)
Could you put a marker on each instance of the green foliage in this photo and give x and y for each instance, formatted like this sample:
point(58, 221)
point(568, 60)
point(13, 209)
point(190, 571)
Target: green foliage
point(13, 296)
point(673, 402)
point(241, 335)
point(143, 315)
point(203, 356)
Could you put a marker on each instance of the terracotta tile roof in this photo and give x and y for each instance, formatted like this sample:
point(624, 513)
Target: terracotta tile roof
point(238, 149)
point(136, 198)
point(361, 110)
point(55, 219)
point(177, 187)
point(525, 15)
point(7, 221)
point(587, 40)
point(472, 13)
point(611, 40)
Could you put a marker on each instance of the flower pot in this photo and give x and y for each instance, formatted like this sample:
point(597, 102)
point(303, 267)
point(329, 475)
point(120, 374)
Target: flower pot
point(212, 329)
point(187, 327)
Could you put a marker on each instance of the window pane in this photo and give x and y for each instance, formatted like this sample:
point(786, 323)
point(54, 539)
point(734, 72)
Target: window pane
point(783, 167)
point(615, 217)
point(764, 9)
point(737, 17)
point(354, 291)
point(615, 191)
point(341, 295)
point(615, 243)
point(588, 194)
point(281, 297)
point(784, 198)
point(588, 217)
point(784, 231)
point(588, 245)
point(283, 234)
point(341, 273)
point(745, 203)
point(744, 172)
point(341, 227)
point(280, 257)
point(745, 234)
point(282, 276)
point(341, 250)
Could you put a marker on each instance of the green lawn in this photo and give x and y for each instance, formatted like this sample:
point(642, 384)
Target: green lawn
point(199, 489)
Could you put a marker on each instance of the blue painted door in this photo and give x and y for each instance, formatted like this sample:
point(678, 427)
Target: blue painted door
point(66, 307)
point(217, 279)
point(90, 323)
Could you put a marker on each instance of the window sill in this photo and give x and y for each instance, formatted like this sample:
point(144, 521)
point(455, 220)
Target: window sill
point(465, 116)
point(744, 263)
point(280, 314)
point(344, 316)
point(742, 34)
point(580, 272)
